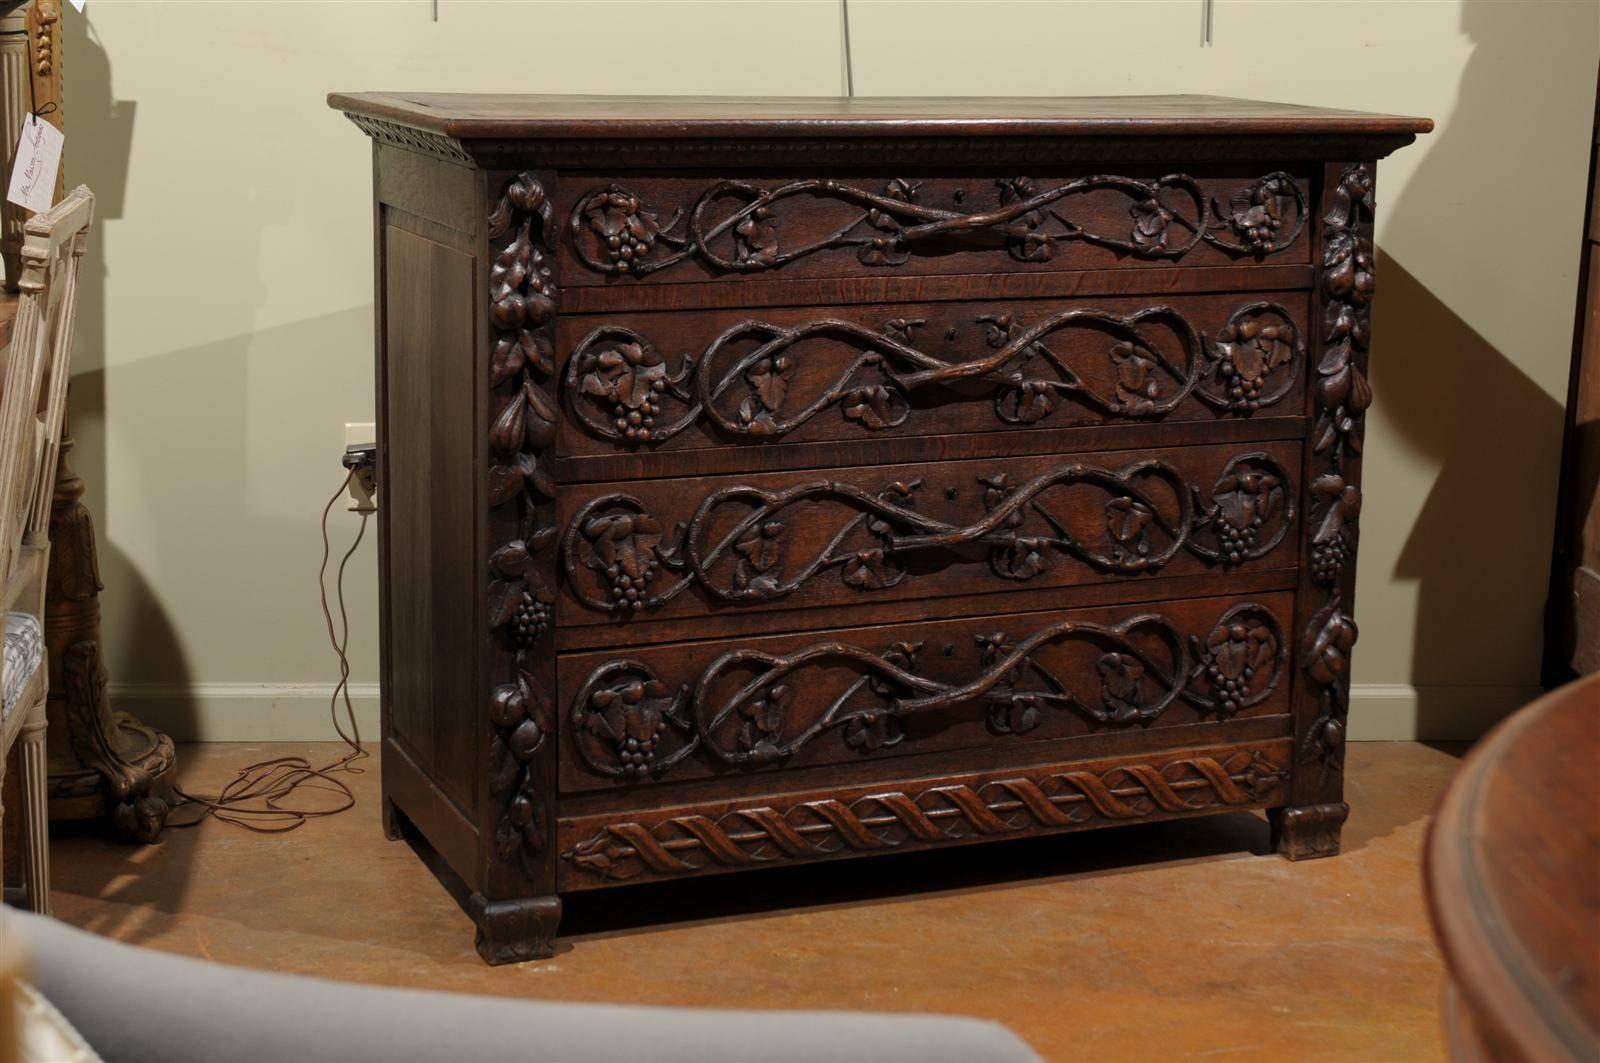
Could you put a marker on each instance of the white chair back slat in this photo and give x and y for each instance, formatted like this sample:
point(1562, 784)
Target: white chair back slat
point(33, 402)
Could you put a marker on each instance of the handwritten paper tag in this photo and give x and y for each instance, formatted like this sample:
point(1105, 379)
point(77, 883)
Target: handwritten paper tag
point(33, 175)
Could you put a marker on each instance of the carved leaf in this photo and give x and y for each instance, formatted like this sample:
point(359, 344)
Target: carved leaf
point(1150, 220)
point(759, 236)
point(505, 481)
point(1036, 400)
point(505, 598)
point(511, 560)
point(535, 476)
point(767, 379)
point(868, 570)
point(873, 406)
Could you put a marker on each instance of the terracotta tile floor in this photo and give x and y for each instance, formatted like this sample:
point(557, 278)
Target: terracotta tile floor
point(1170, 940)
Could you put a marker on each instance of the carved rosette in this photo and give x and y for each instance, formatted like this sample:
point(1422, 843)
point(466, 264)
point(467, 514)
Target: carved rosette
point(523, 420)
point(740, 227)
point(620, 387)
point(1342, 397)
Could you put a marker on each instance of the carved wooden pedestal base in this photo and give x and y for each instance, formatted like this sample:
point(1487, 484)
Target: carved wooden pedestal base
point(101, 762)
point(1308, 832)
point(515, 931)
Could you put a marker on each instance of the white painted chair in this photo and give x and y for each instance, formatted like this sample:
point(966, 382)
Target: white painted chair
point(33, 377)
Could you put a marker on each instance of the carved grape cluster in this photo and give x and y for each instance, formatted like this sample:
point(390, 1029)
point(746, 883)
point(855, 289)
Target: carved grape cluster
point(1239, 660)
point(635, 425)
point(1328, 558)
point(531, 620)
point(1230, 689)
point(624, 551)
point(628, 230)
point(638, 755)
point(1237, 542)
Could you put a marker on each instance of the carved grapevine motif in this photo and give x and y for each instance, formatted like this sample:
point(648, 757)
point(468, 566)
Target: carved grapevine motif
point(995, 806)
point(522, 294)
point(626, 722)
point(1326, 653)
point(740, 227)
point(617, 382)
point(1333, 535)
point(1150, 514)
point(1342, 396)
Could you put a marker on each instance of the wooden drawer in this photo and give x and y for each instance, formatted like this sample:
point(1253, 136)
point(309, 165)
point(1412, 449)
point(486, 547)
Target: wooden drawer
point(896, 814)
point(683, 548)
point(691, 710)
point(648, 228)
point(696, 379)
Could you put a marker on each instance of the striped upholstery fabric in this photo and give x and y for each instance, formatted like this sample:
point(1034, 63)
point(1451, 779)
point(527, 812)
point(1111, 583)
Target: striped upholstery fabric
point(24, 651)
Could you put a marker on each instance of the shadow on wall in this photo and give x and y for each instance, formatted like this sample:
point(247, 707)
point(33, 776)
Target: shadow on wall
point(1480, 548)
point(100, 134)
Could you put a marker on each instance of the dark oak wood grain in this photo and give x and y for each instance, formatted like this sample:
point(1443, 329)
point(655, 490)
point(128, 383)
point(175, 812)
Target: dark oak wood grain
point(792, 480)
point(676, 549)
point(853, 695)
point(707, 379)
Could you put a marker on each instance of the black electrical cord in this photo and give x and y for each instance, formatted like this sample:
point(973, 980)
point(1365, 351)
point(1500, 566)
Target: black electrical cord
point(256, 798)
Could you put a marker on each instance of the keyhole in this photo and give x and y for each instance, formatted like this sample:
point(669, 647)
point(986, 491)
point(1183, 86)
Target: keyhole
point(949, 649)
point(951, 334)
point(950, 494)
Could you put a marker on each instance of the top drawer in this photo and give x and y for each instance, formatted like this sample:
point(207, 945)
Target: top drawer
point(645, 229)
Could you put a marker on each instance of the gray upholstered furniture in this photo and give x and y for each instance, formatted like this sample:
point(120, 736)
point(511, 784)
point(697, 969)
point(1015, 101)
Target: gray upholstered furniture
point(133, 1004)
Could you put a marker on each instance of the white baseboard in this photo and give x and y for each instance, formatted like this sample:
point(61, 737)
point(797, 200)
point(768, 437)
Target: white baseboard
point(1400, 712)
point(298, 712)
point(245, 712)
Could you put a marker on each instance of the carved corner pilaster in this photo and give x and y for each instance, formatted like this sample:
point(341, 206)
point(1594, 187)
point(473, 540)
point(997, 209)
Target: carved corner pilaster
point(1331, 483)
point(521, 542)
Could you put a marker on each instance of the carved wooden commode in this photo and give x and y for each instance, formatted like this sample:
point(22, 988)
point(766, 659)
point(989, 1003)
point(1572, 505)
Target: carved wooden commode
point(770, 481)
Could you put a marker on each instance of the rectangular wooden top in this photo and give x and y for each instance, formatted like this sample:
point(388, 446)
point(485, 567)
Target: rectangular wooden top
point(472, 116)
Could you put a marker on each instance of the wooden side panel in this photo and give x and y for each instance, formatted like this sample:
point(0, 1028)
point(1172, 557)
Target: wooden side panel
point(428, 494)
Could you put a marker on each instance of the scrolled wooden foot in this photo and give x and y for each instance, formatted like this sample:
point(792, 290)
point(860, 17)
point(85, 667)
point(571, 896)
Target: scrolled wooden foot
point(515, 931)
point(140, 819)
point(1308, 831)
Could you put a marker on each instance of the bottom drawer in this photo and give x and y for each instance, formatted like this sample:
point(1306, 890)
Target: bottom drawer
point(758, 831)
point(673, 713)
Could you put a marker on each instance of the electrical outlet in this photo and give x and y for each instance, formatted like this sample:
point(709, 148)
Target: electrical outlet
point(360, 433)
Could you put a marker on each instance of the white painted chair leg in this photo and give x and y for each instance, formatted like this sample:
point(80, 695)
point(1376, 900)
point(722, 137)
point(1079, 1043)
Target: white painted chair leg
point(35, 809)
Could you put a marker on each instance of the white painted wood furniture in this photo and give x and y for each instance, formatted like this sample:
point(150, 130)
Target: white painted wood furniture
point(32, 402)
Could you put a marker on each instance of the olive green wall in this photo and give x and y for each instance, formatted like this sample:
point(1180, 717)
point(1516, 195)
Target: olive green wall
point(226, 325)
